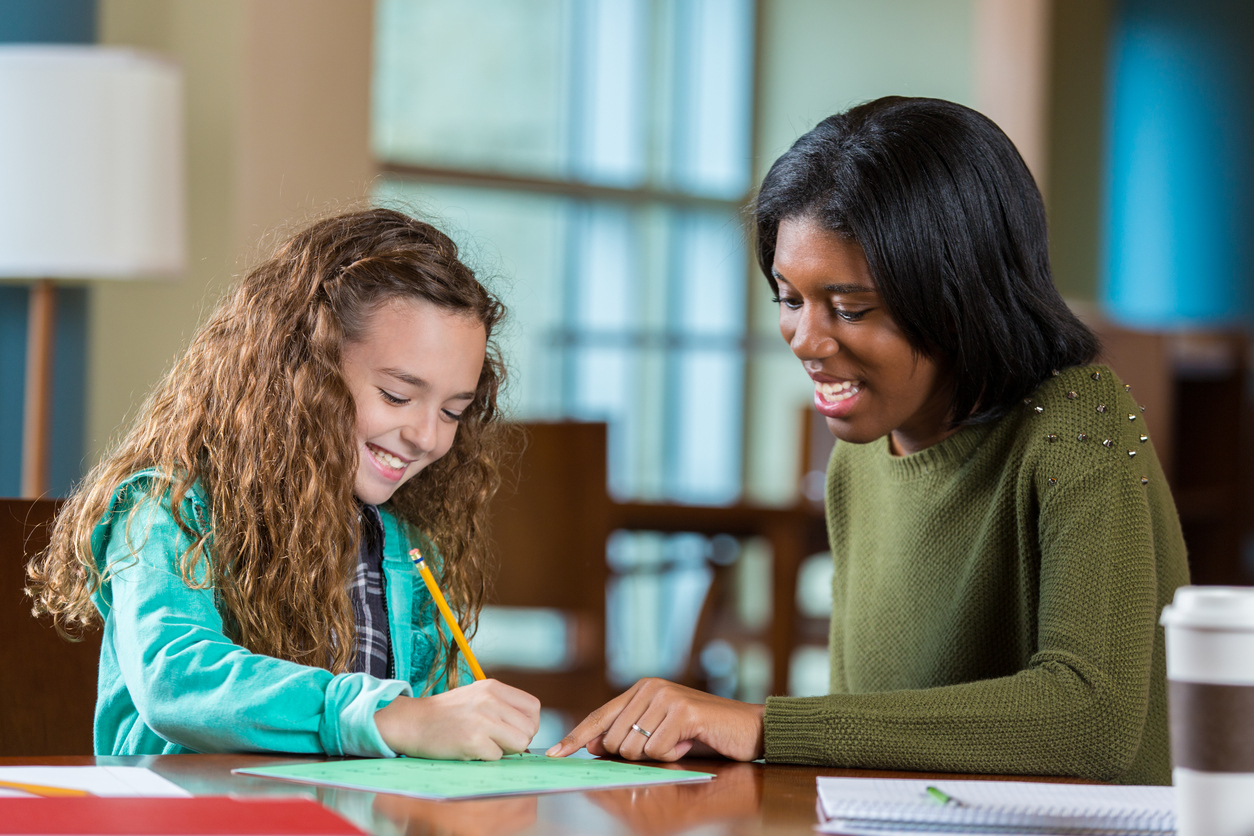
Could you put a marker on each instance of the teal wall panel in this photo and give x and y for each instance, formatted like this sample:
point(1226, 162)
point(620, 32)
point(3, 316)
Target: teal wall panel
point(12, 378)
point(1180, 174)
point(48, 21)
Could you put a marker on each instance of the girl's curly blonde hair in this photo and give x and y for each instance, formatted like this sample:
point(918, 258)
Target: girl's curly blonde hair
point(258, 413)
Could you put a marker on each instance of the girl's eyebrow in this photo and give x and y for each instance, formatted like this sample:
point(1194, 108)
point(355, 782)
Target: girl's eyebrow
point(419, 383)
point(406, 377)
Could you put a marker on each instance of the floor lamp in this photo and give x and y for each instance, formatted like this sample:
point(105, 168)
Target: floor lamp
point(91, 187)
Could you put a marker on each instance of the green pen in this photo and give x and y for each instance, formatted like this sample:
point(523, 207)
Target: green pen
point(943, 798)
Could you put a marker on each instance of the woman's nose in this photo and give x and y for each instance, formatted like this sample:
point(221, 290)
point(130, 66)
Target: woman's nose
point(812, 339)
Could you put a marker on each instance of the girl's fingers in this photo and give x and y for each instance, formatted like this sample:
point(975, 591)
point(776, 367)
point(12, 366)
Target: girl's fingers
point(510, 739)
point(485, 749)
point(518, 699)
point(515, 724)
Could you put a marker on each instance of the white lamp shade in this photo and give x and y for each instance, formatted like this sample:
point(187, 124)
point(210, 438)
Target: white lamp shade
point(91, 163)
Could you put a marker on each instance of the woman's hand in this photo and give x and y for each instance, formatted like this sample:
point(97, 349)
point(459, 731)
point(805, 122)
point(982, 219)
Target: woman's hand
point(481, 721)
point(680, 721)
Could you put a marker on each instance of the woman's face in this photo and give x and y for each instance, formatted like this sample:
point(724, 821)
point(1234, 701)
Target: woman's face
point(868, 380)
point(412, 374)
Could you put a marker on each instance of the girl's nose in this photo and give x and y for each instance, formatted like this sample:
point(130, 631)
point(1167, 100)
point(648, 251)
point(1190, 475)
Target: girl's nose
point(422, 431)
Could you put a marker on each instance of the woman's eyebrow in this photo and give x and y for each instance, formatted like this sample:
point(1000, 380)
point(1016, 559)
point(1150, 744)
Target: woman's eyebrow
point(830, 288)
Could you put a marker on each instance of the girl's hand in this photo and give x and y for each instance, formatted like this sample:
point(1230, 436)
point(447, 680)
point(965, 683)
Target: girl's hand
point(681, 721)
point(481, 721)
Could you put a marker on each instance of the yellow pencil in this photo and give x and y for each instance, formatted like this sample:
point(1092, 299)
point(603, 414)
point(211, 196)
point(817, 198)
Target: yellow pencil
point(429, 579)
point(42, 791)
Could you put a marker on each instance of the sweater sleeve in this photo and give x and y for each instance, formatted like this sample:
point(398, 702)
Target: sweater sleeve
point(193, 686)
point(1079, 706)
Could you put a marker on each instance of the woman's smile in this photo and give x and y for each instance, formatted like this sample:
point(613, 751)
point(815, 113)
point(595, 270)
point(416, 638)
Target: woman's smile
point(834, 397)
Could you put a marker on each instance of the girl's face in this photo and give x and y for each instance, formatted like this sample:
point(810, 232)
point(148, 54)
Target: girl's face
point(412, 374)
point(868, 380)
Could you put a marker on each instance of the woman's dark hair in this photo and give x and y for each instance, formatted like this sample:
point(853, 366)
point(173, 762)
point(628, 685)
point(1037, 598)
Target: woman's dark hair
point(953, 228)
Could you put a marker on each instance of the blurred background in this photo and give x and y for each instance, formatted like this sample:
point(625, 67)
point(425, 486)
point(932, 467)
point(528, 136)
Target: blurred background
point(594, 159)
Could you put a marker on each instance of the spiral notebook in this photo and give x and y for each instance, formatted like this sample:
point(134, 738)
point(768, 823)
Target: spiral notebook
point(858, 806)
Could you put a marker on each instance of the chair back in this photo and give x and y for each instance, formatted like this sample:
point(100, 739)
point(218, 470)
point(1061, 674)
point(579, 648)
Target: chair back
point(550, 521)
point(48, 698)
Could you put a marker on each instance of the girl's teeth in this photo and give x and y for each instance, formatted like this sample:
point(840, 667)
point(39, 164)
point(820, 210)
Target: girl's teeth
point(837, 392)
point(387, 458)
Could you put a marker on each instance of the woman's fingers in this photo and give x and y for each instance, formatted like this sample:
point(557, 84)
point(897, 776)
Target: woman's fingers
point(596, 746)
point(680, 721)
point(592, 726)
point(666, 719)
point(620, 730)
point(643, 718)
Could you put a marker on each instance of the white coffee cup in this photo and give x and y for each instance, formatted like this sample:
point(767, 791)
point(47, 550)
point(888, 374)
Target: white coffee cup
point(1210, 695)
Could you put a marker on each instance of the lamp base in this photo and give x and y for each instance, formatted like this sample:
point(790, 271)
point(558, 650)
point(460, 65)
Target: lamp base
point(40, 343)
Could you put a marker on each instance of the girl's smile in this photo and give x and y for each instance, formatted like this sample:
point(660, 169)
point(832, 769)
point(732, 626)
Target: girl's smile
point(412, 374)
point(868, 379)
point(390, 465)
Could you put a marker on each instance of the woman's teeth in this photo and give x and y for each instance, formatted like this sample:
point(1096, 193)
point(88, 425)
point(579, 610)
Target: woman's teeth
point(837, 392)
point(386, 459)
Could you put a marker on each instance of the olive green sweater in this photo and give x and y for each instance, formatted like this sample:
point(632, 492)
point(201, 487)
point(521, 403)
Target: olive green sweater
point(996, 596)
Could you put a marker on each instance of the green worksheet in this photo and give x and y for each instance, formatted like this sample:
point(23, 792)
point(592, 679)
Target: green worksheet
point(513, 775)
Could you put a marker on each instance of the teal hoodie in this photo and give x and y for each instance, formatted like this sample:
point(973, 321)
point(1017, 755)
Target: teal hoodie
point(172, 682)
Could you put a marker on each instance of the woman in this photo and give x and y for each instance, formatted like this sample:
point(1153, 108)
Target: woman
point(1002, 532)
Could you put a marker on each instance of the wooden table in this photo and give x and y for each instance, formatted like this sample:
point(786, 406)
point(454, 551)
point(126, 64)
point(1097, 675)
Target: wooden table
point(745, 798)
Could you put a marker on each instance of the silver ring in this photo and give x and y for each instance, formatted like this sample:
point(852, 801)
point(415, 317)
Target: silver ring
point(634, 727)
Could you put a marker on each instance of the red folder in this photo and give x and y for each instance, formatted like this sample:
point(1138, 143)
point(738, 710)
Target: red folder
point(200, 816)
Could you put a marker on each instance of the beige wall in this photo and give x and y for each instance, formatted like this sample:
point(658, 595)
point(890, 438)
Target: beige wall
point(277, 96)
point(1012, 39)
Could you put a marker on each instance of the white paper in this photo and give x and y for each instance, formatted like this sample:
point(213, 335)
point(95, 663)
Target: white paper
point(133, 781)
point(869, 804)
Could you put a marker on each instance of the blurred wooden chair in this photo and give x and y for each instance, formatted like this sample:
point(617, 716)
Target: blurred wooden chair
point(793, 533)
point(48, 699)
point(1196, 390)
point(550, 522)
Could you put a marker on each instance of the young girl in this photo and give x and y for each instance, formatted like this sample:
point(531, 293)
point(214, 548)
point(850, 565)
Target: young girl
point(246, 545)
point(1002, 533)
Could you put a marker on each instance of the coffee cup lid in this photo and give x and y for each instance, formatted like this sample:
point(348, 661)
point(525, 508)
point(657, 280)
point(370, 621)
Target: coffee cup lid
point(1211, 607)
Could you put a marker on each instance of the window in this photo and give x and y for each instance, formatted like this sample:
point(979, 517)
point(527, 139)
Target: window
point(595, 155)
